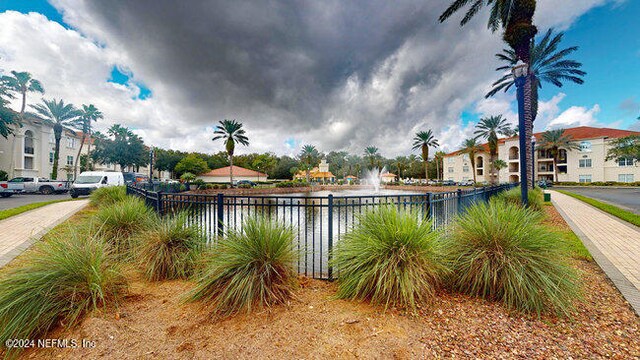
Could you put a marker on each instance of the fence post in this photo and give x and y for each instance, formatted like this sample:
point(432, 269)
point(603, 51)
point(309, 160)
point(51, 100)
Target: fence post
point(220, 204)
point(459, 194)
point(159, 203)
point(330, 235)
point(429, 205)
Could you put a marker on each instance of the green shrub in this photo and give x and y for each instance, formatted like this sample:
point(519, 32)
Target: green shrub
point(503, 252)
point(120, 222)
point(3, 175)
point(244, 186)
point(170, 249)
point(535, 196)
point(249, 269)
point(64, 278)
point(292, 184)
point(108, 195)
point(391, 257)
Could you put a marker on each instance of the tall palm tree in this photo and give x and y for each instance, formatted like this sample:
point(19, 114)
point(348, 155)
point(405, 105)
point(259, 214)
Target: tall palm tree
point(8, 117)
point(471, 147)
point(88, 114)
point(60, 115)
point(309, 156)
point(553, 141)
point(499, 164)
point(371, 153)
point(548, 64)
point(515, 17)
point(231, 132)
point(490, 128)
point(439, 158)
point(423, 141)
point(20, 83)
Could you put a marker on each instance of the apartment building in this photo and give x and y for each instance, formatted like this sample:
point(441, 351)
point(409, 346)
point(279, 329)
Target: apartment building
point(585, 164)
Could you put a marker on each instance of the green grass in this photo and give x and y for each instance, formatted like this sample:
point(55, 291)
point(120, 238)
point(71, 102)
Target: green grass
point(574, 245)
point(108, 195)
point(505, 253)
point(121, 222)
point(24, 208)
point(57, 282)
point(390, 257)
point(535, 197)
point(170, 249)
point(249, 269)
point(611, 209)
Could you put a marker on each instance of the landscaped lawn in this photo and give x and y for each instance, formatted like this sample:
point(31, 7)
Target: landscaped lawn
point(20, 209)
point(154, 321)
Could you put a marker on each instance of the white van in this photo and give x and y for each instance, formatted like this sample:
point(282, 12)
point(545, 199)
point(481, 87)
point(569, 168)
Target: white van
point(91, 180)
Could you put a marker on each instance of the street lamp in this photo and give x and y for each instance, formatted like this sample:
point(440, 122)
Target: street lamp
point(151, 166)
point(533, 161)
point(519, 72)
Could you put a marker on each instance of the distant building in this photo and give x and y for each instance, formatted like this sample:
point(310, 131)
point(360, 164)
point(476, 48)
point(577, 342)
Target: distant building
point(586, 164)
point(221, 175)
point(387, 177)
point(350, 179)
point(320, 173)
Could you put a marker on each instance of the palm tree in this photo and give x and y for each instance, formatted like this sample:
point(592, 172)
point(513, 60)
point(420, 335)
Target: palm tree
point(400, 163)
point(231, 131)
point(20, 83)
point(489, 128)
point(515, 17)
point(308, 157)
point(8, 117)
point(422, 141)
point(439, 158)
point(88, 114)
point(471, 148)
point(499, 164)
point(548, 64)
point(61, 115)
point(552, 141)
point(371, 152)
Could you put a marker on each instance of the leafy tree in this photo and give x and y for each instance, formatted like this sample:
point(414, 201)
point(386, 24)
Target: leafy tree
point(283, 168)
point(121, 147)
point(231, 132)
point(217, 160)
point(553, 141)
point(471, 148)
point(489, 128)
point(371, 154)
point(88, 114)
point(627, 147)
point(439, 160)
point(60, 115)
point(308, 157)
point(192, 163)
point(499, 164)
point(400, 163)
point(9, 119)
point(337, 162)
point(548, 64)
point(423, 141)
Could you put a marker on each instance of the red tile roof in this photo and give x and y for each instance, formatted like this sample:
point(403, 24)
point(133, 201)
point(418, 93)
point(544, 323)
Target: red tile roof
point(237, 171)
point(576, 133)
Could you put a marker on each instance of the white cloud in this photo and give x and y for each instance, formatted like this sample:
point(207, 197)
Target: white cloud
point(576, 116)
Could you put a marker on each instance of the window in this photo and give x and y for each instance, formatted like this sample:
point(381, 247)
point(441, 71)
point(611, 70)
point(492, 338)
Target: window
point(625, 178)
point(50, 158)
point(450, 170)
point(52, 139)
point(71, 142)
point(625, 162)
point(585, 163)
point(585, 146)
point(451, 159)
point(70, 160)
point(465, 168)
point(585, 178)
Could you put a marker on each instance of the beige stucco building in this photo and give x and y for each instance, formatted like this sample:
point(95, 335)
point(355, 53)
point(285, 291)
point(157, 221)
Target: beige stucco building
point(585, 164)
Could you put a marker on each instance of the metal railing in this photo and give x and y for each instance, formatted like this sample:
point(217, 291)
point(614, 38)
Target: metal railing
point(318, 221)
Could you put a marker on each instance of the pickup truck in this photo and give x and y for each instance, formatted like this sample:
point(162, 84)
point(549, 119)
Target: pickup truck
point(32, 185)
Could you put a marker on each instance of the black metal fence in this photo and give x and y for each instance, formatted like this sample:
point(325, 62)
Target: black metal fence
point(319, 221)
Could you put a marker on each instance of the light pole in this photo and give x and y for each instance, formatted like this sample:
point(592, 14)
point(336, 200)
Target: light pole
point(533, 161)
point(520, 77)
point(151, 166)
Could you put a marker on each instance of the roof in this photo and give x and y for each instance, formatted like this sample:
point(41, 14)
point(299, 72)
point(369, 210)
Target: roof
point(237, 171)
point(388, 175)
point(350, 177)
point(322, 174)
point(576, 133)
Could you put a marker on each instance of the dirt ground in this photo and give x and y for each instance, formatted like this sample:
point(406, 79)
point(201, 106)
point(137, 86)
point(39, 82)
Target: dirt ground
point(153, 322)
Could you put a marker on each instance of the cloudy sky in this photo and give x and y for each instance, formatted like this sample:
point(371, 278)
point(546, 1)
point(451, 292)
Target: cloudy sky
point(337, 74)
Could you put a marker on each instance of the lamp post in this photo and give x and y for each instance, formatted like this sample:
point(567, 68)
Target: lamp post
point(520, 77)
point(151, 166)
point(533, 161)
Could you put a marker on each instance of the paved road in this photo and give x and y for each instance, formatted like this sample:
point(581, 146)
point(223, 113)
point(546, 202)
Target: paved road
point(628, 199)
point(24, 199)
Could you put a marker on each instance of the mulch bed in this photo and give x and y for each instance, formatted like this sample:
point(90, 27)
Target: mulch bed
point(155, 323)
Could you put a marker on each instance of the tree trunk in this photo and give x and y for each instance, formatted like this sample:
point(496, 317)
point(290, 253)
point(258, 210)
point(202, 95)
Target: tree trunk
point(307, 174)
point(12, 170)
point(75, 165)
point(425, 155)
point(555, 169)
point(437, 169)
point(57, 132)
point(528, 131)
point(89, 167)
point(473, 168)
point(231, 170)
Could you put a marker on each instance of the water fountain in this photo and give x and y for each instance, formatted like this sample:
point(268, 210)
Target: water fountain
point(374, 177)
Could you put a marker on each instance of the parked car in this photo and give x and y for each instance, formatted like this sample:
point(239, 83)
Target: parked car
point(134, 178)
point(244, 182)
point(88, 181)
point(467, 183)
point(7, 188)
point(545, 183)
point(448, 183)
point(433, 182)
point(34, 185)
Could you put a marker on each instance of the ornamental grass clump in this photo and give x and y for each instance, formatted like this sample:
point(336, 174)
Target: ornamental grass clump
point(249, 268)
point(108, 195)
point(120, 222)
point(503, 252)
point(390, 257)
point(62, 279)
point(170, 249)
point(534, 196)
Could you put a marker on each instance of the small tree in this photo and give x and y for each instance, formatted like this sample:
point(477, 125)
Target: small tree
point(553, 140)
point(499, 164)
point(627, 147)
point(231, 132)
point(191, 164)
point(308, 157)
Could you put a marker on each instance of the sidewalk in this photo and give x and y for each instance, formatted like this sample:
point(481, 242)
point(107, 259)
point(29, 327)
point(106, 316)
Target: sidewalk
point(19, 232)
point(613, 243)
